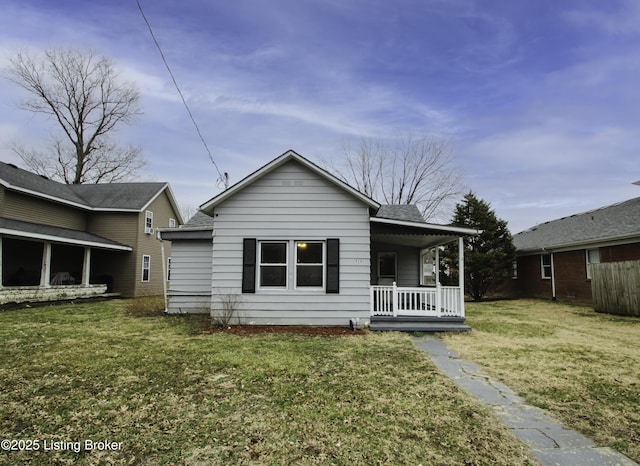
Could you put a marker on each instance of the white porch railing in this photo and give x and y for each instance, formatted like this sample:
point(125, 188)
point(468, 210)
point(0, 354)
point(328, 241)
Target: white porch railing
point(438, 301)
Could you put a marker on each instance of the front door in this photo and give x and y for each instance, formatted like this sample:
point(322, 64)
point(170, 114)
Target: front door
point(387, 268)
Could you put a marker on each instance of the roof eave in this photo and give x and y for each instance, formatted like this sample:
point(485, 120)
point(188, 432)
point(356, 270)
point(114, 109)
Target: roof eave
point(430, 226)
point(596, 242)
point(62, 239)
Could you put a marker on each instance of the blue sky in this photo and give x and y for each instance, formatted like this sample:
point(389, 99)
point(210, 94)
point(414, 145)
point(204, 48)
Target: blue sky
point(539, 99)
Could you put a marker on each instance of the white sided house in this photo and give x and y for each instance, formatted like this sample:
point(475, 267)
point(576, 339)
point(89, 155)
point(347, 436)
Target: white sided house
point(292, 244)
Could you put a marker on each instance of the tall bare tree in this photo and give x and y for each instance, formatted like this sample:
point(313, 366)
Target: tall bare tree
point(82, 93)
point(404, 170)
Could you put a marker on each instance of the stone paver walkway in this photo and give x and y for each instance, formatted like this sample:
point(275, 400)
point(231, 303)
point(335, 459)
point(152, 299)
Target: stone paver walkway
point(550, 443)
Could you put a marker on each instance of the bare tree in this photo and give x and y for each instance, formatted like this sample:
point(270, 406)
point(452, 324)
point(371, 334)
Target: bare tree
point(404, 170)
point(83, 95)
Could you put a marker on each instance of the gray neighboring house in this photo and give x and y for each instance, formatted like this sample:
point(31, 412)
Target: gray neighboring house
point(553, 258)
point(60, 241)
point(294, 245)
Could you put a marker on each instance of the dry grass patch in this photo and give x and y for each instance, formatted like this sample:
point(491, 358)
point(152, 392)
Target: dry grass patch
point(93, 371)
point(580, 365)
point(145, 306)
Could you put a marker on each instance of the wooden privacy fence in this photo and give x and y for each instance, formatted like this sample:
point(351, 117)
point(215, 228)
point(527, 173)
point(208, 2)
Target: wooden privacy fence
point(615, 287)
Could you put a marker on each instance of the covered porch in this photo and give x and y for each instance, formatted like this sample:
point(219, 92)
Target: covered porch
point(406, 293)
point(45, 263)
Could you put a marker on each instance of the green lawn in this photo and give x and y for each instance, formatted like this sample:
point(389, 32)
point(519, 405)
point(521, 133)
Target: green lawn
point(582, 366)
point(94, 372)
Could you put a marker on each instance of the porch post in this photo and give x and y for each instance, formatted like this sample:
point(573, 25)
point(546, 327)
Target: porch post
point(438, 289)
point(461, 273)
point(371, 298)
point(46, 265)
point(86, 266)
point(1, 274)
point(437, 259)
point(394, 299)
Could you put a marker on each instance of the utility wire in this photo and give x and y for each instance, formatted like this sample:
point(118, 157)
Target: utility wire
point(223, 178)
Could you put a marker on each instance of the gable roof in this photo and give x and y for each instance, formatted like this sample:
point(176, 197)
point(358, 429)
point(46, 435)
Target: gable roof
point(277, 162)
point(132, 197)
point(612, 223)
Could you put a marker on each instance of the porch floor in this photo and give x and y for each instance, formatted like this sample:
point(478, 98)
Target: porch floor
point(418, 324)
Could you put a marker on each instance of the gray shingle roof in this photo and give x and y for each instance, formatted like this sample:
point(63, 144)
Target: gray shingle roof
point(403, 212)
point(58, 232)
point(609, 223)
point(118, 195)
point(23, 179)
point(124, 196)
point(199, 219)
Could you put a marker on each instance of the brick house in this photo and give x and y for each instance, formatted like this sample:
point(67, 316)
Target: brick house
point(60, 241)
point(553, 258)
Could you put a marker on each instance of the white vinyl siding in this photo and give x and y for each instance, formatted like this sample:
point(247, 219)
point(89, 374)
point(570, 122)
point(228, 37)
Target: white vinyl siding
point(292, 203)
point(190, 287)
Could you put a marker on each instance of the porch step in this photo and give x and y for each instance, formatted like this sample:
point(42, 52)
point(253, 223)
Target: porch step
point(419, 324)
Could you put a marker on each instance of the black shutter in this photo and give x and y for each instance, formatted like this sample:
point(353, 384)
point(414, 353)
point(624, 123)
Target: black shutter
point(333, 265)
point(249, 265)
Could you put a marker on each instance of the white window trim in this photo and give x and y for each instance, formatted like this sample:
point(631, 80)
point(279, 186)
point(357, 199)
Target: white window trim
point(260, 265)
point(542, 266)
point(514, 270)
point(296, 265)
point(172, 223)
point(147, 268)
point(588, 262)
point(148, 222)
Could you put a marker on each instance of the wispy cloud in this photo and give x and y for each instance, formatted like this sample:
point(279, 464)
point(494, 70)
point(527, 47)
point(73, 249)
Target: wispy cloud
point(615, 17)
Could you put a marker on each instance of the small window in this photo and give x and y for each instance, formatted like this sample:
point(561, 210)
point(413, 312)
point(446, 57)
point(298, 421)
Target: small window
point(172, 223)
point(514, 270)
point(148, 222)
point(273, 264)
point(387, 266)
point(545, 264)
point(309, 264)
point(146, 268)
point(593, 257)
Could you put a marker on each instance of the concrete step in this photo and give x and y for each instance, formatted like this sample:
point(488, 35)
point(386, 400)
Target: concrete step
point(419, 324)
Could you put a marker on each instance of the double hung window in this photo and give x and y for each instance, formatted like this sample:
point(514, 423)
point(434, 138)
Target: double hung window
point(545, 265)
point(148, 222)
point(309, 264)
point(276, 268)
point(146, 267)
point(593, 257)
point(273, 264)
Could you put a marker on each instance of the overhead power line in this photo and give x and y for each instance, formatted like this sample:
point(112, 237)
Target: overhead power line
point(223, 177)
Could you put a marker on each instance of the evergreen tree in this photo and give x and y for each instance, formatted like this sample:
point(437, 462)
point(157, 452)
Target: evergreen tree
point(488, 256)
